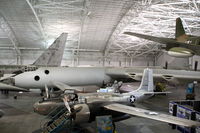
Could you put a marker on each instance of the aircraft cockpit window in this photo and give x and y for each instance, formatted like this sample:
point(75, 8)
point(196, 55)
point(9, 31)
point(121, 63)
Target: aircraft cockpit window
point(46, 71)
point(37, 78)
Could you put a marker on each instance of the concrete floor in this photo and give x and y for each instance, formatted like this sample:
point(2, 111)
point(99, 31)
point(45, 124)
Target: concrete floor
point(143, 125)
point(20, 118)
point(157, 103)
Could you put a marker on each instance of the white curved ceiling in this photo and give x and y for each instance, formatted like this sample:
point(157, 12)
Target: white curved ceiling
point(93, 26)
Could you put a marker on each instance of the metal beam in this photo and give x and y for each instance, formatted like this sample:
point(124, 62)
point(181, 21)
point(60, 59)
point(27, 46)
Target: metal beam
point(84, 13)
point(141, 54)
point(117, 51)
point(159, 20)
point(10, 34)
point(53, 3)
point(42, 49)
point(132, 12)
point(29, 2)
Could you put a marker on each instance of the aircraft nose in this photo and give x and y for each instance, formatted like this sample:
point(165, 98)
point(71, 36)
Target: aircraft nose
point(38, 108)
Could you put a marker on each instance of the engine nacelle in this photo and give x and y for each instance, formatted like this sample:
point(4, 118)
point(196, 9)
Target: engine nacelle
point(171, 79)
point(180, 52)
point(83, 115)
point(89, 112)
point(44, 107)
point(84, 112)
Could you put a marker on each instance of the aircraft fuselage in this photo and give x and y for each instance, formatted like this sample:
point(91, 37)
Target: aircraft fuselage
point(72, 76)
point(83, 76)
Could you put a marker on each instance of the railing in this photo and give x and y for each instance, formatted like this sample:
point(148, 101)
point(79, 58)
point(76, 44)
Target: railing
point(51, 115)
point(56, 119)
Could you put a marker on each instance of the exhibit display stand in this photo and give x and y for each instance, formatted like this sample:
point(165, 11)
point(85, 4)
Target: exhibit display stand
point(188, 109)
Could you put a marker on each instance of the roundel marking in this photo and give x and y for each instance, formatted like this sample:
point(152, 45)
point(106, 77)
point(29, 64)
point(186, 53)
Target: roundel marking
point(132, 98)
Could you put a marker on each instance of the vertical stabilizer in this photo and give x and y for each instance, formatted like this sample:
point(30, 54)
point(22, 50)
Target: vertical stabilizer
point(147, 81)
point(179, 28)
point(53, 55)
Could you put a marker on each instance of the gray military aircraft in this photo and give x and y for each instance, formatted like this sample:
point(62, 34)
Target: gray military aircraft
point(82, 76)
point(50, 57)
point(99, 76)
point(96, 104)
point(182, 46)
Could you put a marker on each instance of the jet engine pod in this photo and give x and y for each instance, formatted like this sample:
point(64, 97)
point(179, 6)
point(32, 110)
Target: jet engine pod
point(180, 52)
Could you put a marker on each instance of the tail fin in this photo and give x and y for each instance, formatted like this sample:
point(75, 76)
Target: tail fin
point(179, 28)
point(53, 55)
point(147, 81)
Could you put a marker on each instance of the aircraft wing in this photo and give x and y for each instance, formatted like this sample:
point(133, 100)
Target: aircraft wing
point(156, 93)
point(170, 42)
point(172, 76)
point(65, 87)
point(152, 115)
point(11, 88)
point(153, 38)
point(62, 86)
point(53, 55)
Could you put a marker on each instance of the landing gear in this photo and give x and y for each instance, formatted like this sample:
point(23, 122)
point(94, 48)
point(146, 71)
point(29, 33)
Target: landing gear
point(15, 97)
point(42, 92)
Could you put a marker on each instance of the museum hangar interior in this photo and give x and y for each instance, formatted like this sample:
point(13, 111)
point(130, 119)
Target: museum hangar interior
point(72, 54)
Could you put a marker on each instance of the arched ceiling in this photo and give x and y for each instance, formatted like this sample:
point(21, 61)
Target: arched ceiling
point(155, 18)
point(93, 26)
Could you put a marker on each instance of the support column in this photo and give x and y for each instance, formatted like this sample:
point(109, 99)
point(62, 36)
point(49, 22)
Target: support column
point(19, 60)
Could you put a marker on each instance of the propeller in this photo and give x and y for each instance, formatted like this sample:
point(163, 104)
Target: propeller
point(66, 100)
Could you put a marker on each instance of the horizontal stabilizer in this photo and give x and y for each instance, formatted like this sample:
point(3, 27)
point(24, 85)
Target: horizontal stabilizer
point(152, 115)
point(11, 88)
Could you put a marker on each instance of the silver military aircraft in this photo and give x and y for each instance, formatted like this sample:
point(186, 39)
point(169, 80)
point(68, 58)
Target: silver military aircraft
point(95, 104)
point(182, 45)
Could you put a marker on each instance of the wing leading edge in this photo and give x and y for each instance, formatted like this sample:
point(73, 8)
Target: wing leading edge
point(152, 115)
point(53, 55)
point(11, 88)
point(156, 39)
point(170, 42)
